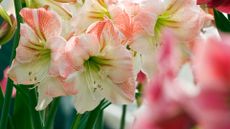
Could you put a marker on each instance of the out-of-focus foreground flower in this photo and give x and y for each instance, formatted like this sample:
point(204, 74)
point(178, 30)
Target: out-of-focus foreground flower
point(143, 22)
point(221, 5)
point(3, 82)
point(176, 103)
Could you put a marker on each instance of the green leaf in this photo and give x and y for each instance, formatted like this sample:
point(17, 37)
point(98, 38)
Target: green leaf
point(1, 98)
point(88, 120)
point(21, 116)
point(77, 121)
point(10, 84)
point(122, 124)
point(99, 122)
point(222, 23)
point(24, 109)
point(51, 113)
point(95, 114)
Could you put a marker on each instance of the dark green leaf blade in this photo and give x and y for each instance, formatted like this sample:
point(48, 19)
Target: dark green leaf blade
point(222, 23)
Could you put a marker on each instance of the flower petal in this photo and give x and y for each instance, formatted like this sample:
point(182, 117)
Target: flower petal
point(120, 61)
point(59, 65)
point(44, 22)
point(87, 98)
point(26, 51)
point(29, 73)
point(52, 87)
point(79, 49)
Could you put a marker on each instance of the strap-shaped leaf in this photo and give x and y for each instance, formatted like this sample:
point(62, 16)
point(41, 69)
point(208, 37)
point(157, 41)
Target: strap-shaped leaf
point(222, 23)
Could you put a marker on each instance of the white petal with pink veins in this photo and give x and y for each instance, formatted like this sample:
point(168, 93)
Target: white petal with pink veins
point(45, 23)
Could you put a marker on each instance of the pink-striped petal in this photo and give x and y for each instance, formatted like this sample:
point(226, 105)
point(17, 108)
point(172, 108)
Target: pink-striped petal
point(45, 23)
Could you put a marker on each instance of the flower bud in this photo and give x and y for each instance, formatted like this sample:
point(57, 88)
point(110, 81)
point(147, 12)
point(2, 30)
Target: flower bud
point(8, 26)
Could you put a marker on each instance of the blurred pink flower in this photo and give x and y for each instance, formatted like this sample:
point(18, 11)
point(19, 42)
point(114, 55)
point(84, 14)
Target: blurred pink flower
point(221, 5)
point(143, 22)
point(141, 78)
point(211, 61)
point(3, 82)
point(165, 97)
point(212, 72)
point(211, 107)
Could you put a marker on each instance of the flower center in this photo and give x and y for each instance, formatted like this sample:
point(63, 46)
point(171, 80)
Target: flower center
point(165, 20)
point(43, 52)
point(99, 12)
point(95, 62)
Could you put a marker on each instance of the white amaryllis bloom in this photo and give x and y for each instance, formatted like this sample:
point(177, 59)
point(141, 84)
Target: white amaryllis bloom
point(40, 55)
point(103, 67)
point(145, 20)
point(91, 11)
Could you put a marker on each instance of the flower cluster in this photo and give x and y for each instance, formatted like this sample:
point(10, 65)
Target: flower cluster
point(188, 95)
point(196, 96)
point(94, 49)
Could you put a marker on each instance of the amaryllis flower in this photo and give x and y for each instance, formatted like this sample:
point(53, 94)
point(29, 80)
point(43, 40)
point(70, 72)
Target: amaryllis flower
point(165, 96)
point(40, 54)
point(212, 69)
point(103, 67)
point(146, 20)
point(211, 107)
point(91, 11)
point(211, 62)
point(221, 5)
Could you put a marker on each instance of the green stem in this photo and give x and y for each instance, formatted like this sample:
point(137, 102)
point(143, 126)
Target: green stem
point(76, 121)
point(95, 113)
point(122, 124)
point(1, 98)
point(6, 105)
point(52, 113)
point(9, 89)
point(35, 114)
point(100, 122)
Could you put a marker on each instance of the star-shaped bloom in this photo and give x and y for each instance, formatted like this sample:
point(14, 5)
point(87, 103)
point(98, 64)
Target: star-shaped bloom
point(39, 56)
point(103, 67)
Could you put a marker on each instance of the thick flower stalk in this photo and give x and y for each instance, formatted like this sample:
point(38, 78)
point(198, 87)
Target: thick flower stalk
point(38, 56)
point(99, 59)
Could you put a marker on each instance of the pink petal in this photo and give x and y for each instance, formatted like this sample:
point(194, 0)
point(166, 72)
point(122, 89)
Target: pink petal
point(60, 65)
point(25, 51)
point(44, 22)
point(80, 48)
point(224, 8)
point(52, 87)
point(210, 62)
point(202, 1)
